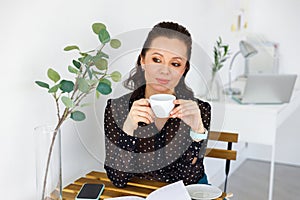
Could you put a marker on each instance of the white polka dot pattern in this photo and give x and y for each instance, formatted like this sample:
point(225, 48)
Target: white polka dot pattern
point(164, 155)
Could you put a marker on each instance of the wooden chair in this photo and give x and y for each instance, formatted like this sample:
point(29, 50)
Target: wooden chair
point(227, 154)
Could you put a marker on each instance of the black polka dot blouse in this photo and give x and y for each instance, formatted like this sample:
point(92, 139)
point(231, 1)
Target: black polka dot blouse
point(164, 155)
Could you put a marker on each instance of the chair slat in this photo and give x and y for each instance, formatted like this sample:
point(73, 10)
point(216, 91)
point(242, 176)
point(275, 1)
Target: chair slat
point(129, 190)
point(134, 182)
point(223, 136)
point(221, 153)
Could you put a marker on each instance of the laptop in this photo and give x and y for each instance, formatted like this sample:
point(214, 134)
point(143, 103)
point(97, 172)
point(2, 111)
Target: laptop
point(267, 89)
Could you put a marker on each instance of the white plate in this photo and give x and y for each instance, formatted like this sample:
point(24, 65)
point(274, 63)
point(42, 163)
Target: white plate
point(203, 191)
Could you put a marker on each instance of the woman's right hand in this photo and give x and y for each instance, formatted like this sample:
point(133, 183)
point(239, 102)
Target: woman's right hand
point(140, 112)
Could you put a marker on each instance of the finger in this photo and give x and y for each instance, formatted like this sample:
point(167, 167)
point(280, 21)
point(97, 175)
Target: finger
point(141, 113)
point(179, 109)
point(139, 118)
point(141, 102)
point(180, 101)
point(185, 110)
point(151, 113)
point(147, 110)
point(190, 106)
point(190, 109)
point(176, 112)
point(187, 104)
point(144, 106)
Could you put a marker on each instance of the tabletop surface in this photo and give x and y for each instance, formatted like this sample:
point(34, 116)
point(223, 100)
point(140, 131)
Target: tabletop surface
point(136, 187)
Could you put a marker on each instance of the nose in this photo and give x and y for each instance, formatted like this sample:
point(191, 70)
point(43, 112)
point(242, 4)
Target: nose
point(164, 69)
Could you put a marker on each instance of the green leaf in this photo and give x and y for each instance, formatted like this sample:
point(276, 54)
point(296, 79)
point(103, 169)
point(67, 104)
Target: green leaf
point(96, 72)
point(42, 84)
point(92, 82)
point(225, 50)
point(115, 43)
point(106, 81)
point(97, 94)
point(53, 75)
point(104, 36)
point(104, 88)
point(66, 86)
point(72, 69)
point(85, 104)
point(76, 64)
point(87, 59)
point(53, 89)
point(102, 54)
point(68, 102)
point(223, 60)
point(97, 27)
point(83, 54)
point(83, 85)
point(116, 76)
point(78, 116)
point(100, 63)
point(72, 47)
point(82, 58)
point(89, 73)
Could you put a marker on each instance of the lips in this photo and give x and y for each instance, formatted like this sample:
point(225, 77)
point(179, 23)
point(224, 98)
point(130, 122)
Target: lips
point(162, 81)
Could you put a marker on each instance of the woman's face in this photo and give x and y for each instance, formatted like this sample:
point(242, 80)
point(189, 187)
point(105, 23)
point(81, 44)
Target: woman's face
point(164, 64)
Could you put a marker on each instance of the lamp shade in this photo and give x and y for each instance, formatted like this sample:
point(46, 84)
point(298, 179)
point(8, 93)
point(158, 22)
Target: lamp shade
point(247, 49)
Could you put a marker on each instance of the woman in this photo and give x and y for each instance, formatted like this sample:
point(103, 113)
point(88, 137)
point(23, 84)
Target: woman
point(141, 145)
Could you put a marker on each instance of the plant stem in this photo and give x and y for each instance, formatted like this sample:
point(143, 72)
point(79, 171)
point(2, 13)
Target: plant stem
point(57, 106)
point(60, 122)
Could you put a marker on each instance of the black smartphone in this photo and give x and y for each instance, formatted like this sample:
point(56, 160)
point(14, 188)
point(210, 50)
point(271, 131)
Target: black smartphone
point(90, 191)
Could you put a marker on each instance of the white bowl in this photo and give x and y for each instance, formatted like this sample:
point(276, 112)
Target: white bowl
point(203, 191)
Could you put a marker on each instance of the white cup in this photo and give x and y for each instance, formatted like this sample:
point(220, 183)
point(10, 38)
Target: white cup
point(162, 104)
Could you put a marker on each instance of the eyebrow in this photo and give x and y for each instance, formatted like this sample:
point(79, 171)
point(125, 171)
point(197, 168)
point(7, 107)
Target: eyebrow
point(163, 56)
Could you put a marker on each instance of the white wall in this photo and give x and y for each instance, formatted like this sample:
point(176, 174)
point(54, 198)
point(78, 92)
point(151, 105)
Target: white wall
point(33, 34)
point(278, 21)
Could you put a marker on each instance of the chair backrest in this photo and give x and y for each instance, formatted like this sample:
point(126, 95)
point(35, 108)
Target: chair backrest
point(227, 154)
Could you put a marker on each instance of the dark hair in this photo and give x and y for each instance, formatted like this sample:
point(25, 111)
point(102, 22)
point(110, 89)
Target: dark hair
point(166, 29)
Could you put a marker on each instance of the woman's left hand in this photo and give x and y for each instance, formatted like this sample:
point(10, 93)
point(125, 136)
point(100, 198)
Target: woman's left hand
point(189, 112)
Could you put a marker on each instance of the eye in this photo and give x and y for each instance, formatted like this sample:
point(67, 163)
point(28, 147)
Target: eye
point(176, 64)
point(156, 60)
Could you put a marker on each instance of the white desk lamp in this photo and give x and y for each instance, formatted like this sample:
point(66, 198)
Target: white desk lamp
point(247, 50)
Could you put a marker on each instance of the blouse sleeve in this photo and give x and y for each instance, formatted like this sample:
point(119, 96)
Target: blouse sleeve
point(119, 146)
point(113, 130)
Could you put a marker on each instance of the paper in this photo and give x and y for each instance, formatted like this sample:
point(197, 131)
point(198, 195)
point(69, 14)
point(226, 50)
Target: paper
point(174, 191)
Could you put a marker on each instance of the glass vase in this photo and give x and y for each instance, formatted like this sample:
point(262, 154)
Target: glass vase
point(48, 163)
point(213, 92)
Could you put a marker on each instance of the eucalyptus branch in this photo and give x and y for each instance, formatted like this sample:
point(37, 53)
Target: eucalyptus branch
point(75, 86)
point(101, 48)
point(78, 97)
point(73, 92)
point(87, 52)
point(78, 102)
point(57, 106)
point(60, 122)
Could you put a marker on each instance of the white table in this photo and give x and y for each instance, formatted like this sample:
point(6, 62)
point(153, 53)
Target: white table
point(255, 123)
